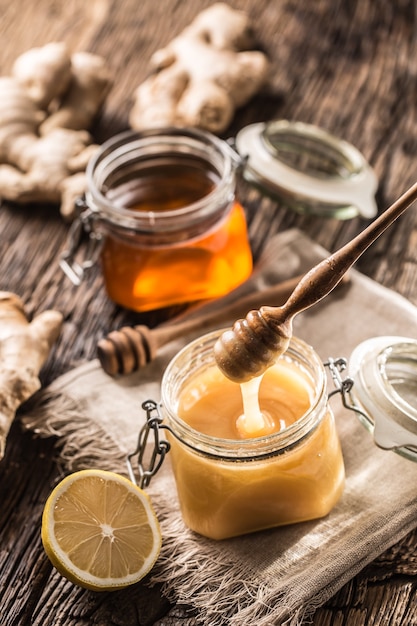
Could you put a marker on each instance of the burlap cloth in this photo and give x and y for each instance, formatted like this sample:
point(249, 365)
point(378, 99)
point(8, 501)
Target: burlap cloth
point(277, 576)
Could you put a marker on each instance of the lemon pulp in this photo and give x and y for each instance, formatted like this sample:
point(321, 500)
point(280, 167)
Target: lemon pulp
point(100, 531)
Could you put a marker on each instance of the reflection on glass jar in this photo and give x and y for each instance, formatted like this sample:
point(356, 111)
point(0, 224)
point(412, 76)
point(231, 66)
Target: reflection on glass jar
point(230, 485)
point(173, 230)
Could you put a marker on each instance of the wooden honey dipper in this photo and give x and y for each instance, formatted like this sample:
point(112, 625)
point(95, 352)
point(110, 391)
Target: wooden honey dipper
point(128, 349)
point(254, 343)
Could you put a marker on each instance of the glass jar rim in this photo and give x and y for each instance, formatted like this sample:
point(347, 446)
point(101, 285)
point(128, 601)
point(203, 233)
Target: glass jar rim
point(396, 353)
point(125, 146)
point(259, 447)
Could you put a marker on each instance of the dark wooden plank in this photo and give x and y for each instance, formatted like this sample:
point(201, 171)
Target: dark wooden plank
point(345, 65)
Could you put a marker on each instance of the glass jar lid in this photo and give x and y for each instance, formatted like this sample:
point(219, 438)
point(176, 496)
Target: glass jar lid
point(313, 171)
point(384, 370)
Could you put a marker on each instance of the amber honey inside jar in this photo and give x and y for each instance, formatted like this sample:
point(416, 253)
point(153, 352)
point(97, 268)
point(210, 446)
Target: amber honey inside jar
point(230, 483)
point(166, 186)
point(173, 230)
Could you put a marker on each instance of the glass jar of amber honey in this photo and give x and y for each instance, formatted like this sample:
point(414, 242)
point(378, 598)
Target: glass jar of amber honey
point(231, 483)
point(162, 203)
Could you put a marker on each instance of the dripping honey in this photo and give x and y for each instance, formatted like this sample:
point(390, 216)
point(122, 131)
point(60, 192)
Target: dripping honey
point(201, 258)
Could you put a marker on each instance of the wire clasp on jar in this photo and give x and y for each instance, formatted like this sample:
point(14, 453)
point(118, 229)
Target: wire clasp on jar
point(84, 224)
point(342, 385)
point(160, 447)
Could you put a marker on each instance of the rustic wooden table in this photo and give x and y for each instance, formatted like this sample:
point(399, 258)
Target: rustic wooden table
point(346, 65)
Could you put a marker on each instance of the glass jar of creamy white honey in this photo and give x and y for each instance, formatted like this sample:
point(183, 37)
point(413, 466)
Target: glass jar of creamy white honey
point(229, 484)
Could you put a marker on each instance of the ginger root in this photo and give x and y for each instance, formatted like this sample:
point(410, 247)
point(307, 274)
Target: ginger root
point(47, 106)
point(88, 88)
point(24, 347)
point(203, 75)
point(44, 72)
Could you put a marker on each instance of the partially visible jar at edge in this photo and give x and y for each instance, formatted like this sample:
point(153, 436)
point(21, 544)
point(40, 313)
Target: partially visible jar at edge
point(173, 229)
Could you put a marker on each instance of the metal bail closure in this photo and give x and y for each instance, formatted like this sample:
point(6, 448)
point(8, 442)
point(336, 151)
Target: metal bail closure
point(342, 385)
point(83, 224)
point(311, 170)
point(148, 467)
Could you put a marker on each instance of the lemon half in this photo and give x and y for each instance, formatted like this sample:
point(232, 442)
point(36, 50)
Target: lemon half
point(100, 531)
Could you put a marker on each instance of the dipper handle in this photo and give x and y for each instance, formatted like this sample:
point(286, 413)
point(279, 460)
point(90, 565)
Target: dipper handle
point(254, 344)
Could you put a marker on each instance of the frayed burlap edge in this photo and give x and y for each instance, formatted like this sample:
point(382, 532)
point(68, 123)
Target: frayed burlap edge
point(82, 443)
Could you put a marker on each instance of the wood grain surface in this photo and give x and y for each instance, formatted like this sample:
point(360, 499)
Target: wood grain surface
point(349, 66)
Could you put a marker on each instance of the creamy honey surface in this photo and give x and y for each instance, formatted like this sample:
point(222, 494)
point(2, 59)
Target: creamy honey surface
point(224, 498)
point(213, 404)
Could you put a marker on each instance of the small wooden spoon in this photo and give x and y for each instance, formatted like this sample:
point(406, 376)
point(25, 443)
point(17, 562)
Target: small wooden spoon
point(256, 342)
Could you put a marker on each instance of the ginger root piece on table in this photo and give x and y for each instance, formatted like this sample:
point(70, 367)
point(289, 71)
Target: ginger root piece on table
point(203, 75)
point(44, 72)
point(89, 87)
point(24, 348)
point(46, 108)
